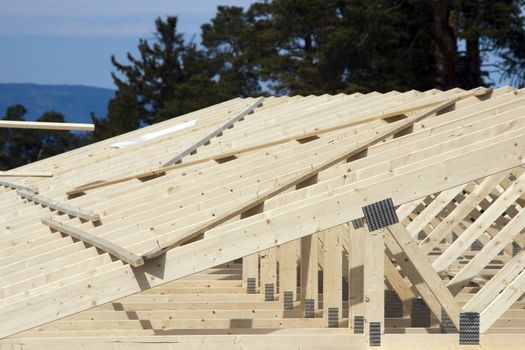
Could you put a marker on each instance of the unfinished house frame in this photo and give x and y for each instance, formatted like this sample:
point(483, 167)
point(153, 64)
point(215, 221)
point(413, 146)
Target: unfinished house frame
point(345, 222)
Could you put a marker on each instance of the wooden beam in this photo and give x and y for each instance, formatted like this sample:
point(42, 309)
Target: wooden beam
point(427, 274)
point(333, 271)
point(261, 197)
point(101, 243)
point(496, 284)
point(390, 130)
point(489, 251)
point(452, 220)
point(61, 207)
point(309, 270)
point(268, 260)
point(400, 286)
point(482, 223)
point(374, 279)
point(45, 125)
point(513, 291)
point(432, 210)
point(356, 274)
point(18, 186)
point(288, 269)
point(24, 174)
point(205, 140)
point(234, 241)
point(250, 264)
point(408, 269)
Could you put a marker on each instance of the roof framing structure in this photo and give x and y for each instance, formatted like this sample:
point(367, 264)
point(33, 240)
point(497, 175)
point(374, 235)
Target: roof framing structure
point(245, 227)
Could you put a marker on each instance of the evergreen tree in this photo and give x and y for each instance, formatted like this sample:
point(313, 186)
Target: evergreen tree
point(24, 146)
point(230, 46)
point(169, 78)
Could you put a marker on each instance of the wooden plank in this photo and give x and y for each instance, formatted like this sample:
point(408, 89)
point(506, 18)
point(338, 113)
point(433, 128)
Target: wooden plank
point(101, 243)
point(18, 186)
point(260, 198)
point(24, 174)
point(489, 252)
point(333, 271)
point(374, 279)
point(432, 210)
point(395, 128)
point(61, 207)
point(250, 264)
point(45, 125)
point(284, 225)
point(496, 284)
point(428, 275)
point(320, 190)
point(288, 269)
point(394, 250)
point(214, 133)
point(268, 260)
point(463, 209)
point(309, 269)
point(502, 302)
point(482, 223)
point(250, 269)
point(356, 263)
point(400, 286)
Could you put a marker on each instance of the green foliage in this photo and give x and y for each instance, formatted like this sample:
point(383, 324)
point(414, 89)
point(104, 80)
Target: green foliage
point(316, 47)
point(23, 146)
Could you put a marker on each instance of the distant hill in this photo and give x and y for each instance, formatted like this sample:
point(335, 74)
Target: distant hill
point(76, 102)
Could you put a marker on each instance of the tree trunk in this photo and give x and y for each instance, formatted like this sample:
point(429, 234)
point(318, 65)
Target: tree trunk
point(443, 33)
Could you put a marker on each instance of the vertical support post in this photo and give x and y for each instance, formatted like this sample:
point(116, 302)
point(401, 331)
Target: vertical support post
point(250, 272)
point(332, 276)
point(356, 305)
point(378, 216)
point(374, 281)
point(287, 254)
point(268, 273)
point(309, 267)
point(250, 263)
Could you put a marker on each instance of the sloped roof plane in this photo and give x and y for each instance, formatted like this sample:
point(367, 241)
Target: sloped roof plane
point(249, 175)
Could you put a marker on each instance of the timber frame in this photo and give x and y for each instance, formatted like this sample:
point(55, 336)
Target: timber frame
point(391, 221)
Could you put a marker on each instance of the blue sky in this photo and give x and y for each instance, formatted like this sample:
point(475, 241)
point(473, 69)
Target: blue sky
point(71, 41)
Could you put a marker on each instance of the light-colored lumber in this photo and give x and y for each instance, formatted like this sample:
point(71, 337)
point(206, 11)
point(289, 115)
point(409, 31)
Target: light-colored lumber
point(19, 186)
point(482, 223)
point(45, 125)
point(309, 269)
point(489, 251)
point(268, 259)
point(432, 210)
point(46, 275)
point(61, 207)
point(215, 133)
point(389, 131)
point(109, 247)
point(496, 284)
point(502, 302)
point(25, 174)
point(260, 198)
point(427, 274)
point(333, 270)
point(374, 279)
point(403, 289)
point(458, 214)
point(287, 254)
